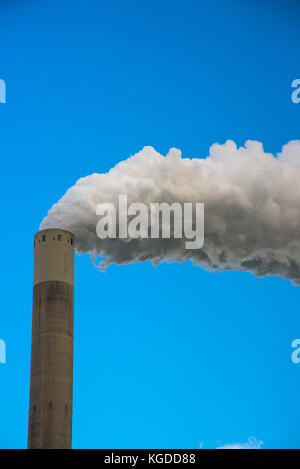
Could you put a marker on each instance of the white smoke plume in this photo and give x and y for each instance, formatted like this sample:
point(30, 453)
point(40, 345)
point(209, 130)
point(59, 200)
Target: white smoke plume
point(252, 208)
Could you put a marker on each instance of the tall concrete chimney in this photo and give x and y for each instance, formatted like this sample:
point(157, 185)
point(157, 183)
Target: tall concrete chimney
point(51, 377)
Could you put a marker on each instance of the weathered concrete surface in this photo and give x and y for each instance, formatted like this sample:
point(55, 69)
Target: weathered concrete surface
point(51, 379)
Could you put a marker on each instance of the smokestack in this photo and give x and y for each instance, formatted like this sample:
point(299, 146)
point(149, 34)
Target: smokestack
point(51, 378)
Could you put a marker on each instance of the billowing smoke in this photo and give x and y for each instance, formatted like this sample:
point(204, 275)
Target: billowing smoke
point(252, 208)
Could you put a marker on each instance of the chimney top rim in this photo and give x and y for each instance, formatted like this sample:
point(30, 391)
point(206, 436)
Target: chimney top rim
point(54, 229)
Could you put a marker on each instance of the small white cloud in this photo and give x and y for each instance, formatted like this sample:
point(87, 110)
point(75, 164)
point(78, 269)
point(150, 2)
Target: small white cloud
point(252, 443)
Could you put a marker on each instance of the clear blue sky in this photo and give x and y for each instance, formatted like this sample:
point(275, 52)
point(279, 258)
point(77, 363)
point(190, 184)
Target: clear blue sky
point(170, 356)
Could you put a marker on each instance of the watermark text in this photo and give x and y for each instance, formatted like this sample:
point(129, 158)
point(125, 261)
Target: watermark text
point(2, 351)
point(2, 91)
point(296, 353)
point(296, 93)
point(155, 220)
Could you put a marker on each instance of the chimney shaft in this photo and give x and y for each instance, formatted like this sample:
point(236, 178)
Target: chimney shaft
point(51, 377)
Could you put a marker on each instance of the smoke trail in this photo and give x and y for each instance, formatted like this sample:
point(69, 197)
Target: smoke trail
point(252, 211)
